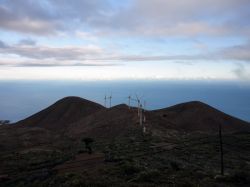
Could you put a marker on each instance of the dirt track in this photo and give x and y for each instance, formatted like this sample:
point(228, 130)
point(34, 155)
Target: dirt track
point(81, 162)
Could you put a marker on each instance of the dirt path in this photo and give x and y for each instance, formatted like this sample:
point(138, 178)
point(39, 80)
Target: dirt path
point(81, 162)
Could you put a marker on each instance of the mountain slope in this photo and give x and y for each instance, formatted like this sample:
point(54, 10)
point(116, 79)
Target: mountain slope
point(61, 113)
point(196, 116)
point(110, 123)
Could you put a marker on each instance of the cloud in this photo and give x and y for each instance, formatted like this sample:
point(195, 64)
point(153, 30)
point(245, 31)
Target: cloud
point(54, 64)
point(58, 53)
point(241, 72)
point(47, 17)
point(161, 18)
point(27, 41)
point(91, 20)
point(144, 58)
point(86, 36)
point(233, 53)
point(132, 18)
point(90, 54)
point(27, 54)
point(23, 17)
point(237, 52)
point(2, 44)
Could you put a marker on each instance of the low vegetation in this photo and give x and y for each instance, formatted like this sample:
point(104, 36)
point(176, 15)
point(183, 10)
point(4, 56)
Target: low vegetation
point(113, 151)
point(139, 161)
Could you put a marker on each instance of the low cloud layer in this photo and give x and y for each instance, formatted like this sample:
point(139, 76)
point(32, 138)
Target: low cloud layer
point(241, 72)
point(237, 52)
point(45, 52)
point(85, 55)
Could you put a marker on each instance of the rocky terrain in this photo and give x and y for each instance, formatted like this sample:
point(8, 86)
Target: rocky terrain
point(179, 148)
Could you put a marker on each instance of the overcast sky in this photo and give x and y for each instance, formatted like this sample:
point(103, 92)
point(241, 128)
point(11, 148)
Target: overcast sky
point(128, 39)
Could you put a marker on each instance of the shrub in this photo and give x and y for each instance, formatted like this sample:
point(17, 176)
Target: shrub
point(130, 168)
point(174, 165)
point(148, 176)
point(88, 142)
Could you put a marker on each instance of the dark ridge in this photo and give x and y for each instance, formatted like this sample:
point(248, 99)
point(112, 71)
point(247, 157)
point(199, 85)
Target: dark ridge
point(75, 114)
point(61, 113)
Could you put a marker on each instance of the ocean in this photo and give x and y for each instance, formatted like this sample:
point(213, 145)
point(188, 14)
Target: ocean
point(20, 99)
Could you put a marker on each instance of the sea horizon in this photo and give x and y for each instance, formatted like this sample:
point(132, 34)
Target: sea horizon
point(20, 99)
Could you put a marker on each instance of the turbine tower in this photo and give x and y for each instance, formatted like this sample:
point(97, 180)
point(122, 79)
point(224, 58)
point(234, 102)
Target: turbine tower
point(105, 100)
point(144, 110)
point(110, 97)
point(129, 99)
point(140, 115)
point(138, 104)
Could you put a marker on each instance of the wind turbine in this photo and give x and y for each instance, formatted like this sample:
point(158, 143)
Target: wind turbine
point(105, 100)
point(144, 118)
point(140, 115)
point(129, 99)
point(138, 104)
point(144, 109)
point(110, 97)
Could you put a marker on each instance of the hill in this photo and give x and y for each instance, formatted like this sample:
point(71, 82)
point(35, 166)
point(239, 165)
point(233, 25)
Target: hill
point(61, 113)
point(196, 116)
point(76, 116)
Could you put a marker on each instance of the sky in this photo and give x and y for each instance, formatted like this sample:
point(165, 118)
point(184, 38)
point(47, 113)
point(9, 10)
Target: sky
point(129, 39)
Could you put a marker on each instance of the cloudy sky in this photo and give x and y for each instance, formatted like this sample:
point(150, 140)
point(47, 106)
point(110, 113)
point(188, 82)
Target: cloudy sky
point(129, 39)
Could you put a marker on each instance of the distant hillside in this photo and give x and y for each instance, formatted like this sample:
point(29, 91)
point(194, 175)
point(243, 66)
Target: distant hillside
point(65, 111)
point(77, 116)
point(196, 116)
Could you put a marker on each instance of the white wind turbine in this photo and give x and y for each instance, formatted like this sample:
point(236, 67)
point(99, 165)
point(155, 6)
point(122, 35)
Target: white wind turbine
point(140, 115)
point(129, 99)
point(138, 104)
point(144, 118)
point(105, 100)
point(144, 110)
point(110, 98)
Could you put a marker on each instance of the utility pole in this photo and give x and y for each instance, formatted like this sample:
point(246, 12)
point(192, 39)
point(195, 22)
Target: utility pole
point(221, 152)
